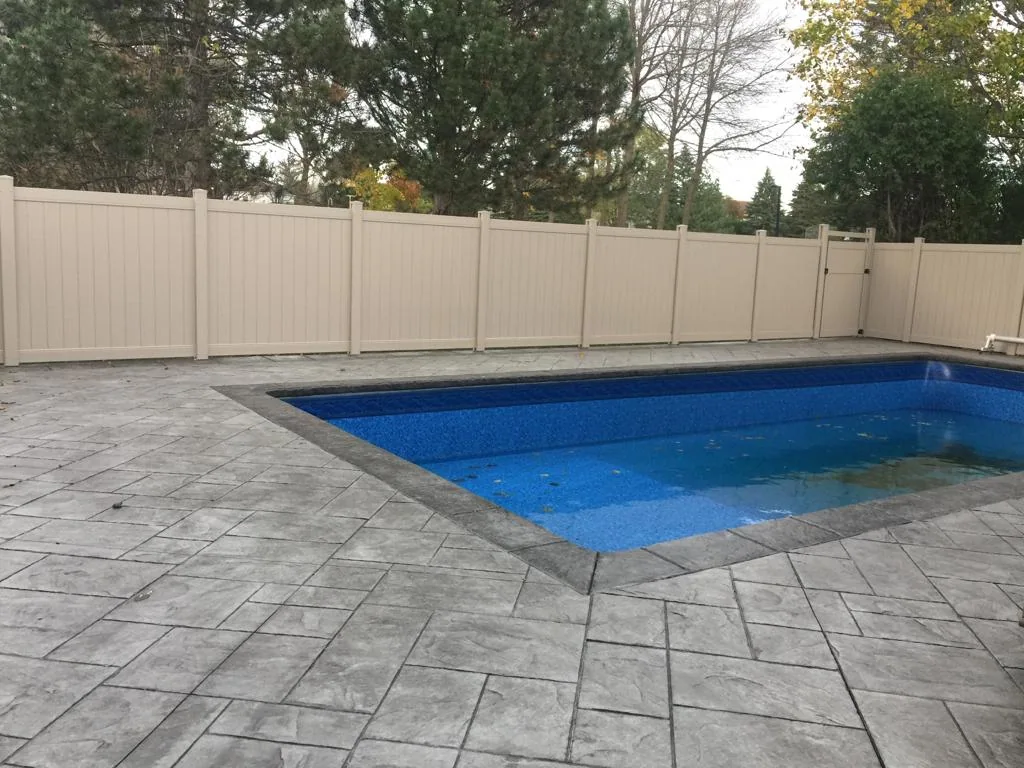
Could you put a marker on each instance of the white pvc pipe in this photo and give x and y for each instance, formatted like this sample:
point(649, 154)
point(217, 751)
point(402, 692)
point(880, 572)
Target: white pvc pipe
point(992, 338)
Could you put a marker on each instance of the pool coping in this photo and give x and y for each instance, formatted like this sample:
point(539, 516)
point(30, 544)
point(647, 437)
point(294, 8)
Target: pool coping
point(587, 570)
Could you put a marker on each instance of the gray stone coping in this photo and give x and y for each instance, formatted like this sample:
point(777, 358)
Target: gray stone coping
point(587, 570)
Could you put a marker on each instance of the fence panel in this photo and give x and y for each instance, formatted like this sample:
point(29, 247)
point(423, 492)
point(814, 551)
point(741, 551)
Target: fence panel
point(967, 291)
point(787, 277)
point(633, 286)
point(103, 276)
point(890, 280)
point(536, 284)
point(419, 281)
point(716, 287)
point(279, 279)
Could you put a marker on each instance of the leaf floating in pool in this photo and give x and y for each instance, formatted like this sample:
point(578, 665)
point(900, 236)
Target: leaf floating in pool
point(497, 481)
point(754, 437)
point(472, 477)
point(547, 508)
point(616, 471)
point(554, 483)
point(503, 494)
point(545, 474)
point(490, 466)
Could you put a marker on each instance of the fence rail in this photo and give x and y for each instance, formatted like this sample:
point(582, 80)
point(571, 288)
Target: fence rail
point(86, 275)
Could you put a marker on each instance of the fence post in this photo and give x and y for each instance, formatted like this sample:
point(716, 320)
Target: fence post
point(762, 240)
point(865, 286)
point(8, 272)
point(202, 277)
point(588, 280)
point(915, 273)
point(677, 304)
point(1020, 323)
point(483, 279)
point(356, 279)
point(819, 296)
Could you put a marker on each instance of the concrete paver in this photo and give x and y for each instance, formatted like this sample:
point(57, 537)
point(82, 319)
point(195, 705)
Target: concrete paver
point(185, 585)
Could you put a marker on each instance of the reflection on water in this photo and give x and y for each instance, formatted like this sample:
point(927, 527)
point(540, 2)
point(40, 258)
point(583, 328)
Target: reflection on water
point(619, 495)
point(955, 463)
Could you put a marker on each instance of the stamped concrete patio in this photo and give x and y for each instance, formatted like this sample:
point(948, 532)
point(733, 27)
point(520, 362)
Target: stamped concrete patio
point(184, 584)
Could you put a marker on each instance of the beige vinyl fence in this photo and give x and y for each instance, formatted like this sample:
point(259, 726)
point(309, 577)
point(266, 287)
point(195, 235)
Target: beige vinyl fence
point(950, 295)
point(87, 276)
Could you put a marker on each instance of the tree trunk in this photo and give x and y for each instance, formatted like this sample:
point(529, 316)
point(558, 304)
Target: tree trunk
point(442, 202)
point(197, 74)
point(666, 187)
point(622, 204)
point(303, 198)
point(699, 156)
point(698, 170)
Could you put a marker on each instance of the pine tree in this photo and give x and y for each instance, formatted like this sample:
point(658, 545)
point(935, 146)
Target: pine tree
point(500, 104)
point(158, 96)
point(761, 211)
point(71, 113)
point(809, 208)
point(306, 100)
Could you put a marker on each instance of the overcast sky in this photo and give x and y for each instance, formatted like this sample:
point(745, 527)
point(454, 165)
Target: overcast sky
point(738, 174)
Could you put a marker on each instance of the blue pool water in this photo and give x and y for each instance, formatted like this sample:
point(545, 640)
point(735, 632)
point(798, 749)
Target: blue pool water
point(612, 464)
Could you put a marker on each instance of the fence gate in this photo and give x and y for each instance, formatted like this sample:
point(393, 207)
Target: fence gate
point(847, 277)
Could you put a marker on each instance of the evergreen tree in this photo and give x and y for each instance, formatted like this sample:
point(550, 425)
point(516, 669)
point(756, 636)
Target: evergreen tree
point(500, 104)
point(809, 207)
point(71, 114)
point(763, 206)
point(150, 96)
point(306, 101)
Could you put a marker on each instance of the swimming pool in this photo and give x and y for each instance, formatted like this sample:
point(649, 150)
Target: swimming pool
point(616, 463)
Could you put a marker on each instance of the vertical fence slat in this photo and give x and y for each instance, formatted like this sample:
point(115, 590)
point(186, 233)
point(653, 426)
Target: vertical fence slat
point(356, 303)
point(1020, 322)
point(202, 275)
point(8, 271)
point(915, 273)
point(762, 241)
point(677, 293)
point(819, 296)
point(588, 282)
point(483, 279)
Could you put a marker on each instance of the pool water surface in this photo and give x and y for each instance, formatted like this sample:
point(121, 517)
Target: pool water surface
point(614, 464)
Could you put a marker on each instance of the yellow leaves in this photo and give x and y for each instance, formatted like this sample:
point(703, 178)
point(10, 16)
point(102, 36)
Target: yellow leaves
point(843, 41)
point(385, 192)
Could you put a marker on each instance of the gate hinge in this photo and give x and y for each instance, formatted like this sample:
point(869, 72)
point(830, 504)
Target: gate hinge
point(860, 331)
point(867, 270)
point(826, 270)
